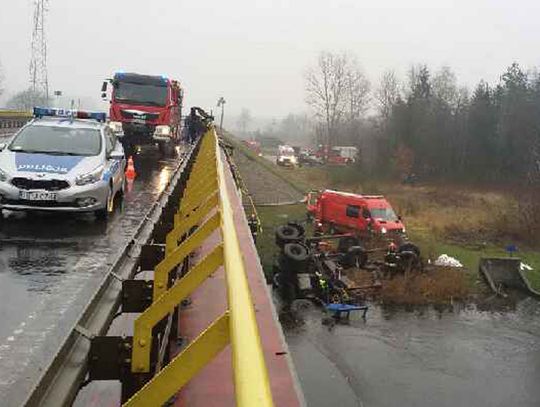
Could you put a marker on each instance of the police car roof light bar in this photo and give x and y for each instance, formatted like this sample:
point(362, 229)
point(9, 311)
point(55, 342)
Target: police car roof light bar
point(40, 112)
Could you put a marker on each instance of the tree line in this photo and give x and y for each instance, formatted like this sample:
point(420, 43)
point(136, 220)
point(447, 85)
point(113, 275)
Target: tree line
point(428, 124)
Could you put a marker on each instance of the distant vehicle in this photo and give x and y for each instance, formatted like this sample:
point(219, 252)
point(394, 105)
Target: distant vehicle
point(145, 109)
point(306, 157)
point(337, 155)
point(343, 212)
point(286, 156)
point(62, 161)
point(254, 146)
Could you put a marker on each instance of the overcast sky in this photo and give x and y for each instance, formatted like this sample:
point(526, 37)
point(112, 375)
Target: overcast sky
point(254, 52)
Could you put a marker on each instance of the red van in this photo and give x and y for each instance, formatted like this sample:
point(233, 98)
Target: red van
point(344, 212)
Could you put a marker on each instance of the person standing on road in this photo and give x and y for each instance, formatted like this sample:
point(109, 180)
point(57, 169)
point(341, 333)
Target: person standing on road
point(197, 123)
point(192, 125)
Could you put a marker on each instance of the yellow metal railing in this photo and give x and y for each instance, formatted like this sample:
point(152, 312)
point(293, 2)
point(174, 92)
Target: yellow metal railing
point(206, 205)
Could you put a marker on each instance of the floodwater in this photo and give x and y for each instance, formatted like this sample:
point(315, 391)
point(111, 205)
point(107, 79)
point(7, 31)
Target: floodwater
point(51, 264)
point(424, 357)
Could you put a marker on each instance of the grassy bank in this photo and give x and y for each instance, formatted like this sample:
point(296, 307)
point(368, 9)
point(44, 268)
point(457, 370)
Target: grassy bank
point(462, 222)
point(271, 217)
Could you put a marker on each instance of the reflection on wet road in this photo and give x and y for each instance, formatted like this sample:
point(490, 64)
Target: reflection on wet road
point(50, 265)
point(421, 358)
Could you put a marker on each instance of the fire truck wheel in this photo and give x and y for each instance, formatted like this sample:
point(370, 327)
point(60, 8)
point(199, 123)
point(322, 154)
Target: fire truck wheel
point(299, 227)
point(345, 243)
point(286, 234)
point(409, 247)
point(295, 251)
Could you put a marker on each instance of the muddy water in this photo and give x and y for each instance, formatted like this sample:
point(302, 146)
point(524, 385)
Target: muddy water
point(50, 265)
point(424, 357)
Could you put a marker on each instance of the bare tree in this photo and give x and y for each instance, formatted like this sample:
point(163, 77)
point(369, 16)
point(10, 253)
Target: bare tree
point(326, 88)
point(26, 100)
point(445, 87)
point(244, 120)
point(387, 93)
point(357, 90)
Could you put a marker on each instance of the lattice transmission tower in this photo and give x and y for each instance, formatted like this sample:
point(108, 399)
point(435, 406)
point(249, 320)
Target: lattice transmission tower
point(39, 82)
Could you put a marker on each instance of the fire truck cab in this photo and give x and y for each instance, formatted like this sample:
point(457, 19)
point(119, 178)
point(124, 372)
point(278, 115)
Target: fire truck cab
point(344, 212)
point(145, 109)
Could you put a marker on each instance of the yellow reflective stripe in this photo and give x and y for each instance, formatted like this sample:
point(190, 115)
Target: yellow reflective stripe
point(161, 273)
point(251, 382)
point(183, 226)
point(142, 333)
point(184, 366)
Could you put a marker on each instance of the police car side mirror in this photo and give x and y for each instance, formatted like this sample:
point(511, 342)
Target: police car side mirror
point(2, 146)
point(116, 155)
point(104, 95)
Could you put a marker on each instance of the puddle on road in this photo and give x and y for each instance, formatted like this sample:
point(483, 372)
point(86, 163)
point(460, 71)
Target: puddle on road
point(50, 264)
point(420, 357)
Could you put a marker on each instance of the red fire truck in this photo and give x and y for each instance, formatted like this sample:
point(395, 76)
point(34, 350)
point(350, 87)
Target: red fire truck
point(337, 155)
point(254, 146)
point(343, 212)
point(145, 109)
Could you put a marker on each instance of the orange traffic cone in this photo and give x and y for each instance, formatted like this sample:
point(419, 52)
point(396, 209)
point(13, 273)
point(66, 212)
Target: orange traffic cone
point(130, 170)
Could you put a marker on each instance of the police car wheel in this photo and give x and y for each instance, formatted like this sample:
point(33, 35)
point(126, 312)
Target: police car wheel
point(103, 214)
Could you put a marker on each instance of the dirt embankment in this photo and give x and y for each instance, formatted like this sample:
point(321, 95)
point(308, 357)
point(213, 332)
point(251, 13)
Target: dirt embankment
point(265, 187)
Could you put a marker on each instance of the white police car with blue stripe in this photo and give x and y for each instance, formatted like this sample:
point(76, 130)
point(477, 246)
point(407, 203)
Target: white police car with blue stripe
point(62, 160)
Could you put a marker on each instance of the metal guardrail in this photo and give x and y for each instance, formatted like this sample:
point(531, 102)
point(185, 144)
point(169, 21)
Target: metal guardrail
point(61, 380)
point(11, 120)
point(205, 205)
point(194, 206)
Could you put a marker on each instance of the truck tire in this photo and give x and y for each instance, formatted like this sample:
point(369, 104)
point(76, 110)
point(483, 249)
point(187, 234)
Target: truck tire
point(409, 247)
point(296, 252)
point(286, 234)
point(345, 243)
point(294, 258)
point(299, 227)
point(409, 261)
point(356, 256)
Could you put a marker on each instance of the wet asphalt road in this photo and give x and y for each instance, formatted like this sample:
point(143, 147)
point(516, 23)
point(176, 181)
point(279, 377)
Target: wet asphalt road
point(421, 358)
point(51, 264)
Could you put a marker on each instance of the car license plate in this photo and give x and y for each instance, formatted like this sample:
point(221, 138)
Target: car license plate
point(138, 121)
point(37, 195)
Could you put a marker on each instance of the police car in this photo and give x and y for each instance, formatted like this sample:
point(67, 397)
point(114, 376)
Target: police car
point(62, 160)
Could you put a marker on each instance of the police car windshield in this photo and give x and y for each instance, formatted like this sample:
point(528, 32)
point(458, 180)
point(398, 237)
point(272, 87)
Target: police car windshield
point(57, 140)
point(386, 214)
point(151, 95)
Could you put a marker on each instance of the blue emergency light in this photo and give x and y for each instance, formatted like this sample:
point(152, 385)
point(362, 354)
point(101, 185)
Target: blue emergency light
point(40, 112)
